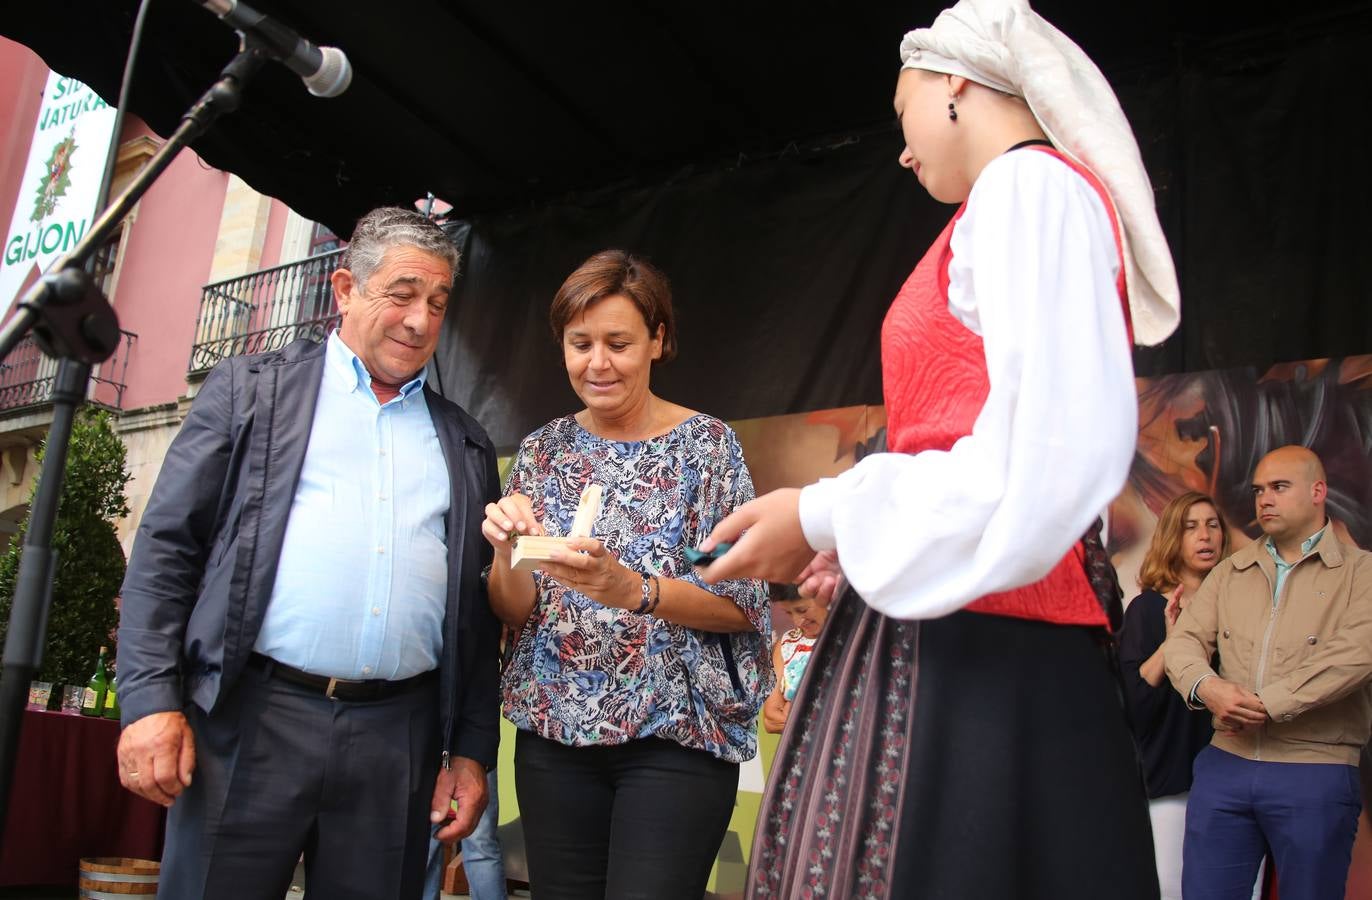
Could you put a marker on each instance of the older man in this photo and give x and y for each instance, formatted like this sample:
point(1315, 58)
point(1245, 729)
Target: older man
point(1291, 618)
point(307, 660)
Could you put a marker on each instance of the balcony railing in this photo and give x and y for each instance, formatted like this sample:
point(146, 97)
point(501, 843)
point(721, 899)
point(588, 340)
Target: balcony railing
point(27, 375)
point(265, 310)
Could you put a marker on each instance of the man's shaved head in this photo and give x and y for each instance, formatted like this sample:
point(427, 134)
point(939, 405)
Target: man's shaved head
point(1294, 454)
point(1289, 491)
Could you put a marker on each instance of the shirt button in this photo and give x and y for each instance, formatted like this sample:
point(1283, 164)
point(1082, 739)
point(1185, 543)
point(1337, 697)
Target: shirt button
point(1310, 639)
point(380, 549)
point(1287, 717)
point(382, 451)
point(366, 670)
point(376, 610)
point(1226, 632)
point(381, 497)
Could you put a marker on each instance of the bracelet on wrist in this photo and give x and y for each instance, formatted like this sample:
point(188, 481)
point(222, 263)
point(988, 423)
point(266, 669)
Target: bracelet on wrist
point(647, 597)
point(657, 594)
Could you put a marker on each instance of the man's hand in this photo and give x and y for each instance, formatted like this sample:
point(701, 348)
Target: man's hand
point(1221, 729)
point(774, 546)
point(157, 756)
point(465, 782)
point(1233, 706)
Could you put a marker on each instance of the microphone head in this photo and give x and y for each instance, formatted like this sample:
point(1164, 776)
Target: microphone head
point(334, 75)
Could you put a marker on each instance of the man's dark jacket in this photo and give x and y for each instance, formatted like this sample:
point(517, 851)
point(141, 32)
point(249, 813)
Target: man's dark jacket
point(205, 557)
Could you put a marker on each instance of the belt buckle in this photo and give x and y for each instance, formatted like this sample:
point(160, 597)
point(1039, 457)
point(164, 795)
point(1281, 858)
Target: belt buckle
point(335, 682)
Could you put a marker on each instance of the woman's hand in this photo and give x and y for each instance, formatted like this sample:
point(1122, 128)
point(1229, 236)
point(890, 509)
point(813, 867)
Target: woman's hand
point(588, 568)
point(507, 519)
point(773, 546)
point(822, 578)
point(776, 709)
point(1172, 610)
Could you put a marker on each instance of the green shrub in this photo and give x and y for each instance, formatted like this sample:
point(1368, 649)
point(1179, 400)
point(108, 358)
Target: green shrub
point(90, 562)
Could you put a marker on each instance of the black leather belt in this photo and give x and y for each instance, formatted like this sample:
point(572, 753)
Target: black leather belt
point(339, 688)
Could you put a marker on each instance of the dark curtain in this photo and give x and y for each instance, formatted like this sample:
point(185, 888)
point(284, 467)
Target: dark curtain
point(780, 274)
point(783, 268)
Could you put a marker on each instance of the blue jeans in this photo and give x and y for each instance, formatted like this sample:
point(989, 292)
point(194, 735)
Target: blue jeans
point(1307, 813)
point(482, 861)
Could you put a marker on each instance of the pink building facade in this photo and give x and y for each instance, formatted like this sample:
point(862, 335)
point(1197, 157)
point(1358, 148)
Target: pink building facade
point(196, 227)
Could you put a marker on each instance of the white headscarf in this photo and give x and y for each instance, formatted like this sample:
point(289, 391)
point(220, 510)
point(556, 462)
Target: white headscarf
point(1005, 45)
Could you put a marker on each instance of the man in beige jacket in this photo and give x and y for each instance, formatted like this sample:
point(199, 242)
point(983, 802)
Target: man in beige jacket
point(1290, 616)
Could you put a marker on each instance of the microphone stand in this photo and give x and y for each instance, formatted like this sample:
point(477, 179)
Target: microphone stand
point(73, 322)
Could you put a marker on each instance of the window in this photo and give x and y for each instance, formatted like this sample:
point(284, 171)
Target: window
point(105, 262)
point(322, 240)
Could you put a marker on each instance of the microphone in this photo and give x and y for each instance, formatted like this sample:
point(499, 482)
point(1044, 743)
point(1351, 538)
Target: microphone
point(325, 70)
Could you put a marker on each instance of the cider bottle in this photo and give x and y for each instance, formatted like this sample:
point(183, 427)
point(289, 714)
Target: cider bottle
point(93, 701)
point(111, 710)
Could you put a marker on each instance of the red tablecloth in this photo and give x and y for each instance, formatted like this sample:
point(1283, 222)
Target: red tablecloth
point(67, 802)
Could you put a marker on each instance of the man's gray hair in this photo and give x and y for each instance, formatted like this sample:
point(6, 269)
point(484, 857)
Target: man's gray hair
point(392, 226)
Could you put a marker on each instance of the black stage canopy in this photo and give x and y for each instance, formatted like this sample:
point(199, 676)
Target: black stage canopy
point(495, 105)
point(748, 148)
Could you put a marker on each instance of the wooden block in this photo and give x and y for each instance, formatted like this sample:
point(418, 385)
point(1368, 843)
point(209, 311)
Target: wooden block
point(530, 550)
point(454, 876)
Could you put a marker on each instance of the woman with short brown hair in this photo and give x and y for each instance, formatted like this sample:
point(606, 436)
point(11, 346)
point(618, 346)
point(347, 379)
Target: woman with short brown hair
point(635, 687)
point(616, 273)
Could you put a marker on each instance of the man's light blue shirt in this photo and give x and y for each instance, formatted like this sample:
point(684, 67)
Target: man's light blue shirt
point(363, 576)
point(1284, 567)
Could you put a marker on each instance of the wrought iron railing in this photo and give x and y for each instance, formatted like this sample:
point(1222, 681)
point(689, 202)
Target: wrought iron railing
point(26, 376)
point(265, 310)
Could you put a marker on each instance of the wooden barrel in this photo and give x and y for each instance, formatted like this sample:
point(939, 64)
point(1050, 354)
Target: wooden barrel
point(117, 877)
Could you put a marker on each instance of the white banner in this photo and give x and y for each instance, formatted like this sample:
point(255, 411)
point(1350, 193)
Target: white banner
point(57, 196)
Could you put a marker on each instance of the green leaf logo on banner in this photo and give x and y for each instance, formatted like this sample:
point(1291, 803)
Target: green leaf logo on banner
point(56, 179)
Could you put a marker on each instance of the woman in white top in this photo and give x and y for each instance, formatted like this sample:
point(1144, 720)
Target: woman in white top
point(962, 732)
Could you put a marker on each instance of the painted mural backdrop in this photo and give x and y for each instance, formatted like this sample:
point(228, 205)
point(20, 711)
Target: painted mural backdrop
point(1206, 431)
point(1203, 431)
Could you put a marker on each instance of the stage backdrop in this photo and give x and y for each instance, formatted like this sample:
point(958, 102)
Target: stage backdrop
point(783, 268)
point(1203, 431)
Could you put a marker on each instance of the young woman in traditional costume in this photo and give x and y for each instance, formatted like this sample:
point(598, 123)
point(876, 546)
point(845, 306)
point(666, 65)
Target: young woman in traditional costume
point(962, 733)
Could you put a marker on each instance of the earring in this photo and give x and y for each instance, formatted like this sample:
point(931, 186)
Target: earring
point(952, 111)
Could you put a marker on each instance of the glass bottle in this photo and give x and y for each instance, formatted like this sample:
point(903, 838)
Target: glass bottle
point(93, 701)
point(111, 708)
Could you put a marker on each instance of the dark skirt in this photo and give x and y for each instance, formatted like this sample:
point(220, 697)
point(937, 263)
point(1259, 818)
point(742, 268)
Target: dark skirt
point(972, 756)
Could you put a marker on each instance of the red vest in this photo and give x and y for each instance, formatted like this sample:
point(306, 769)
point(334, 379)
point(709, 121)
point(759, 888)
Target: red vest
point(935, 384)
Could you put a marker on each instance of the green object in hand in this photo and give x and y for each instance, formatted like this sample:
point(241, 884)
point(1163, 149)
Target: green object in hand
point(701, 558)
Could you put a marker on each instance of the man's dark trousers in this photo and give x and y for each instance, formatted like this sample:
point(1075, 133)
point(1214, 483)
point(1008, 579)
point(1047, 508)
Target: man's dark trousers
point(280, 770)
point(1307, 813)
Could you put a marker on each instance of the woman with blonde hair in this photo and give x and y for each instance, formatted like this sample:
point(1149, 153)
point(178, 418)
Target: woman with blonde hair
point(1190, 540)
